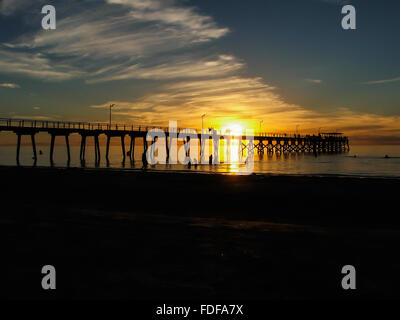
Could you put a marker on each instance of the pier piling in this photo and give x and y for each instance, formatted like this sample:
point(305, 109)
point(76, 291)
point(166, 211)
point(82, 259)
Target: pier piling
point(18, 146)
point(108, 148)
point(123, 147)
point(68, 150)
point(132, 149)
point(34, 147)
point(52, 148)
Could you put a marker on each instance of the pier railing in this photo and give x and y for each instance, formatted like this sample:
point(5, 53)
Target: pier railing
point(51, 124)
point(46, 124)
point(9, 123)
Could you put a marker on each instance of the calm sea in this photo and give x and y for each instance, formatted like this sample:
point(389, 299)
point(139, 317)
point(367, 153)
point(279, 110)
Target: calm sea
point(369, 161)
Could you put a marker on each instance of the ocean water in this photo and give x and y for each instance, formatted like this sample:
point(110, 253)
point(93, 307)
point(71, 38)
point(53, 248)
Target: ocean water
point(369, 161)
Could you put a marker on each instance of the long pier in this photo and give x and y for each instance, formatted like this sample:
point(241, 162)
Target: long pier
point(260, 142)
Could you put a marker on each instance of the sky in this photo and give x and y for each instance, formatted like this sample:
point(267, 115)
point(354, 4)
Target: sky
point(287, 63)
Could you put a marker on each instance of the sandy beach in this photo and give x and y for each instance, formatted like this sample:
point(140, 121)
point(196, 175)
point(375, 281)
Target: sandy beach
point(160, 235)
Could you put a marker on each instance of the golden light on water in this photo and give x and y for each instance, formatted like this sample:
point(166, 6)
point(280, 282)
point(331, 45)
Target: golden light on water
point(232, 151)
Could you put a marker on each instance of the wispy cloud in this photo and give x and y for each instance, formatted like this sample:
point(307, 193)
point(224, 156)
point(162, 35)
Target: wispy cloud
point(34, 117)
point(245, 101)
point(35, 65)
point(200, 26)
point(383, 81)
point(235, 97)
point(9, 85)
point(176, 67)
point(120, 35)
point(314, 80)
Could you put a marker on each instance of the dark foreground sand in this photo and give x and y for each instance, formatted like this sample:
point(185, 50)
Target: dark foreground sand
point(114, 234)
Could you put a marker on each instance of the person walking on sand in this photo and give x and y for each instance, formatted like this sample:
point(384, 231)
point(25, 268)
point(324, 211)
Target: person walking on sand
point(144, 160)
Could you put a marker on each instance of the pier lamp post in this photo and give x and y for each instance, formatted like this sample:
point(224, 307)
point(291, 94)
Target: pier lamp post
point(111, 106)
point(202, 120)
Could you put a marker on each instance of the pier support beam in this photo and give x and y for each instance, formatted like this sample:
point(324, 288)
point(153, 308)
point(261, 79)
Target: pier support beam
point(68, 150)
point(28, 132)
point(18, 146)
point(82, 155)
point(187, 148)
point(108, 148)
point(53, 137)
point(202, 147)
point(97, 149)
point(34, 147)
point(64, 134)
point(132, 149)
point(216, 149)
point(83, 148)
point(109, 136)
point(166, 146)
point(145, 145)
point(123, 148)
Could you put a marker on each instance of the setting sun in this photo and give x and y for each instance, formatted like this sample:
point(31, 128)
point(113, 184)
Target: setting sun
point(232, 151)
point(234, 129)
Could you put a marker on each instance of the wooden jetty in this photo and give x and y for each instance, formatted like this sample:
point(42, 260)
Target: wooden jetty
point(260, 142)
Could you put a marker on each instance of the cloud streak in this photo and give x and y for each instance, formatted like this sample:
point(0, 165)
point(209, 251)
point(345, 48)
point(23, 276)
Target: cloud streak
point(201, 27)
point(382, 81)
point(317, 81)
point(35, 65)
point(121, 35)
point(9, 85)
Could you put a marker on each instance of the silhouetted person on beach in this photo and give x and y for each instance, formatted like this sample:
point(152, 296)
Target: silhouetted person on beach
point(189, 163)
point(210, 159)
point(144, 160)
point(195, 163)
